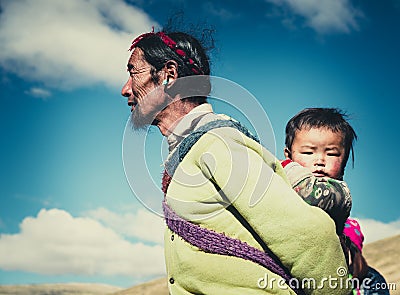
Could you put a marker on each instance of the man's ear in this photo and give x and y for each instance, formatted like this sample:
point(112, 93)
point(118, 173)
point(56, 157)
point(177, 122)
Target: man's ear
point(170, 71)
point(287, 153)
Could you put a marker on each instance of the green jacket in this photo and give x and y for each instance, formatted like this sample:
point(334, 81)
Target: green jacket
point(224, 167)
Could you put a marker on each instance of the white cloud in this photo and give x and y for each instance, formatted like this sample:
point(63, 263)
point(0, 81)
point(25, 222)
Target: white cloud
point(71, 43)
point(374, 230)
point(55, 242)
point(324, 16)
point(143, 225)
point(39, 92)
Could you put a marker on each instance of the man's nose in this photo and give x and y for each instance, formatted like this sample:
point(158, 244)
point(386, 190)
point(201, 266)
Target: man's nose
point(127, 88)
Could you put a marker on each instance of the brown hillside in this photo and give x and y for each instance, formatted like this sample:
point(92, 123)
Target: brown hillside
point(155, 287)
point(384, 256)
point(58, 289)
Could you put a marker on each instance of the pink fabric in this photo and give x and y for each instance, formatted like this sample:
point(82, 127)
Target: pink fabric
point(352, 229)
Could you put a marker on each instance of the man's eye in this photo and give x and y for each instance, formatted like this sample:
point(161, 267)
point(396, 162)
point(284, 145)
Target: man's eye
point(132, 72)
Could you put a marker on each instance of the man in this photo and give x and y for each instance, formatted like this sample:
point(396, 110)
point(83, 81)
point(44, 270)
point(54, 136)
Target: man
point(234, 225)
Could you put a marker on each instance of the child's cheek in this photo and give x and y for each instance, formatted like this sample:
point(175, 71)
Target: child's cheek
point(336, 168)
point(304, 163)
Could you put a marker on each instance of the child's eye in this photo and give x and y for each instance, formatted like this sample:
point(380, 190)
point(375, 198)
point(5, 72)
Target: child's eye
point(307, 153)
point(334, 154)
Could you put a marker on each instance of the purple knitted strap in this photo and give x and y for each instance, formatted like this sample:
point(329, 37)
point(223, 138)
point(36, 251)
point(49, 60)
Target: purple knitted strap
point(212, 242)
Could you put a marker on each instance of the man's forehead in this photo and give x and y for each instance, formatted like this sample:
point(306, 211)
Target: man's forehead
point(136, 59)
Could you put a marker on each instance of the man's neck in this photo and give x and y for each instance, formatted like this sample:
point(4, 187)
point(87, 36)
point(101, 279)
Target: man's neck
point(169, 117)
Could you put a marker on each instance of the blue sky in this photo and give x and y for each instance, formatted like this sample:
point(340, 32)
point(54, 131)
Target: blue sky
point(67, 212)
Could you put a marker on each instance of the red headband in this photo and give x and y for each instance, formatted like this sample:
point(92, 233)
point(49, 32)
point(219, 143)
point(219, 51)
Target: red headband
point(171, 44)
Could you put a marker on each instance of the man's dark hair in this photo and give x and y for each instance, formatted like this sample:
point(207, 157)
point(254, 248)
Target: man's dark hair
point(331, 118)
point(157, 53)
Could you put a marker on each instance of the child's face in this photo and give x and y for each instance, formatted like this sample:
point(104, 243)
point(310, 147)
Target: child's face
point(319, 149)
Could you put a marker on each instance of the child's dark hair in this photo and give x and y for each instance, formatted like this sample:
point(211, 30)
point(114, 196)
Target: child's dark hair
point(331, 118)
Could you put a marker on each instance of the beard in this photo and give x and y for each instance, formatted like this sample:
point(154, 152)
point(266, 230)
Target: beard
point(145, 114)
point(141, 121)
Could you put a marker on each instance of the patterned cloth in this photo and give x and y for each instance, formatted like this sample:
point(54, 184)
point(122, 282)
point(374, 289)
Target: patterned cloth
point(352, 230)
point(375, 284)
point(331, 195)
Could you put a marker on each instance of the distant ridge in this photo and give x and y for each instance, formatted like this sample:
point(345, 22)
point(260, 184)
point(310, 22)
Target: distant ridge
point(58, 289)
point(155, 287)
point(384, 256)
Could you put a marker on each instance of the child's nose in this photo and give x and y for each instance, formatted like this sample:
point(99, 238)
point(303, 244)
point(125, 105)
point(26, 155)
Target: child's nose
point(319, 160)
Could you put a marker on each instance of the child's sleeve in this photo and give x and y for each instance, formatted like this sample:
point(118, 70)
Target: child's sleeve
point(331, 195)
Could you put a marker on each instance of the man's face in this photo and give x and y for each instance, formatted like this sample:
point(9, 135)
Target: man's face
point(319, 149)
point(144, 97)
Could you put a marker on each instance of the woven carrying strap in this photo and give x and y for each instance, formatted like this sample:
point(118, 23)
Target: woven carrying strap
point(205, 239)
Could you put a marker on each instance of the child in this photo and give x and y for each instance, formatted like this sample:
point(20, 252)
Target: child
point(321, 140)
point(318, 144)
